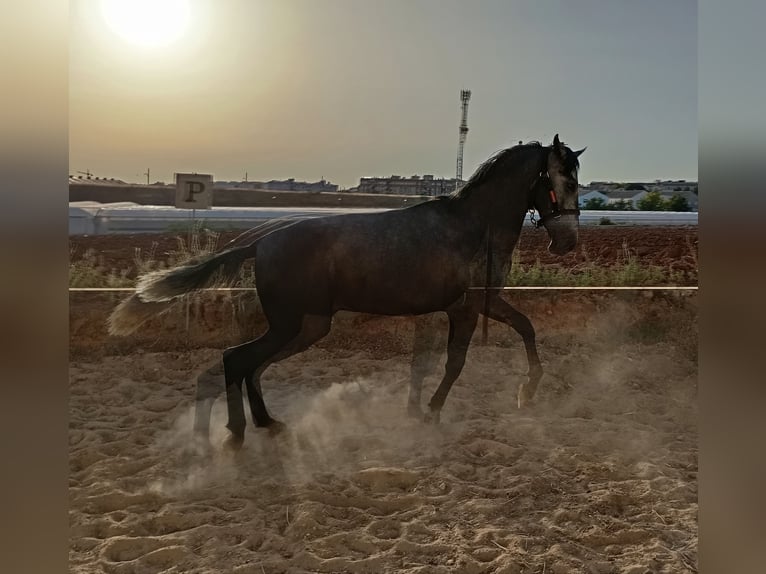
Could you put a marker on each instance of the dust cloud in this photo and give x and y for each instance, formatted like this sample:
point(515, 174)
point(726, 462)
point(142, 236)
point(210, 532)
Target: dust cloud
point(599, 475)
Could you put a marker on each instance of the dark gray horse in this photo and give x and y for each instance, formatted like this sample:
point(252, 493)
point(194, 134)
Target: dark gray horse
point(410, 261)
point(428, 343)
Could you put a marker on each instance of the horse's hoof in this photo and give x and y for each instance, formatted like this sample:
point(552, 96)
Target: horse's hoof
point(432, 417)
point(200, 444)
point(233, 443)
point(414, 411)
point(524, 399)
point(197, 449)
point(276, 428)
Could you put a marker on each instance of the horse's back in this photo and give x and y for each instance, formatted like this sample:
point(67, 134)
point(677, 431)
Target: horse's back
point(395, 262)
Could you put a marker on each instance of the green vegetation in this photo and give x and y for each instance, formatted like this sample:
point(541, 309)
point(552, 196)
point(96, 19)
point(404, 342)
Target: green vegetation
point(653, 201)
point(594, 204)
point(89, 270)
point(628, 273)
point(677, 203)
point(621, 205)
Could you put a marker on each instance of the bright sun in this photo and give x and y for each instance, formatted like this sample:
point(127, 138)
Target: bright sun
point(149, 23)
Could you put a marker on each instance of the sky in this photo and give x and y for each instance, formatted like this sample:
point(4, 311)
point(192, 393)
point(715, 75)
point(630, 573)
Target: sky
point(343, 89)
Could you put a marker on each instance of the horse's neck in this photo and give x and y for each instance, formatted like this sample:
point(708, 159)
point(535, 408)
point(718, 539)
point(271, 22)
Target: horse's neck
point(500, 220)
point(497, 209)
point(495, 255)
point(504, 239)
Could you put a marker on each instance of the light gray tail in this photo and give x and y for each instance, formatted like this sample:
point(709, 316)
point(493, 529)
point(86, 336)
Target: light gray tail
point(156, 290)
point(129, 315)
point(171, 283)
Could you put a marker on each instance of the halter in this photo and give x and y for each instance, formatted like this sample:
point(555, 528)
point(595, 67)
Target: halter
point(554, 213)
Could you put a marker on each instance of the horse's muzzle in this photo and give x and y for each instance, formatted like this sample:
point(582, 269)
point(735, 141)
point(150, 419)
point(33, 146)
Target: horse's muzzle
point(563, 232)
point(562, 248)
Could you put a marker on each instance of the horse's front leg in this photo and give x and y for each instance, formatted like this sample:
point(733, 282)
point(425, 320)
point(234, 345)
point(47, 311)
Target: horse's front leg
point(234, 375)
point(210, 385)
point(499, 310)
point(428, 340)
point(462, 322)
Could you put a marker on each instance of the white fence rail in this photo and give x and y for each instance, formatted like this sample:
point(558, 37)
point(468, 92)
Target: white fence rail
point(515, 288)
point(93, 218)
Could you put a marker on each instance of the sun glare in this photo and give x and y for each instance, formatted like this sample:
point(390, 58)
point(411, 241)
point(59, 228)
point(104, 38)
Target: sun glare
point(148, 23)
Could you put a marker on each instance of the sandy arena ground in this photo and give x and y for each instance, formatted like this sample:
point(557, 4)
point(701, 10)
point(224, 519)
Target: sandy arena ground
point(600, 476)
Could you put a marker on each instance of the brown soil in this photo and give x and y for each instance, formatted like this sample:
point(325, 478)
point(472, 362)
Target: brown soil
point(599, 476)
point(671, 248)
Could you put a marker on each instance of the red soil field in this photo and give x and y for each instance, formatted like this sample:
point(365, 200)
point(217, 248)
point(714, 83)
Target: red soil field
point(671, 248)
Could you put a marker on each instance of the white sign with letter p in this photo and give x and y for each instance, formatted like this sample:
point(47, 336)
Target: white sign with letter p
point(194, 190)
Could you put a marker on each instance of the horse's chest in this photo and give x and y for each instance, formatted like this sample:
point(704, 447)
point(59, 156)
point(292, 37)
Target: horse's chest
point(408, 288)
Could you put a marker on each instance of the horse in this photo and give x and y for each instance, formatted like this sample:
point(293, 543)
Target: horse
point(427, 344)
point(411, 261)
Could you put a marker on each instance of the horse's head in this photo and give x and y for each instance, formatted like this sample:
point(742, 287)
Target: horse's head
point(555, 197)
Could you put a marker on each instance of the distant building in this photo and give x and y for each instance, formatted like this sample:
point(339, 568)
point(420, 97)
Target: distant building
point(605, 186)
point(656, 185)
point(670, 185)
point(414, 185)
point(628, 195)
point(95, 180)
point(280, 185)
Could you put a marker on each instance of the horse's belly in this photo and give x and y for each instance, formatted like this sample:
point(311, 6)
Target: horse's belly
point(398, 301)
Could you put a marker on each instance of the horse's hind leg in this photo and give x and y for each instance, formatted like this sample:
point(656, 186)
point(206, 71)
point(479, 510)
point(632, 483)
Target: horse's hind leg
point(500, 310)
point(427, 342)
point(210, 385)
point(261, 416)
point(462, 322)
point(314, 328)
point(240, 362)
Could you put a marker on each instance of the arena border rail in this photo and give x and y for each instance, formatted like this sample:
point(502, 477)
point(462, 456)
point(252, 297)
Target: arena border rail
point(513, 288)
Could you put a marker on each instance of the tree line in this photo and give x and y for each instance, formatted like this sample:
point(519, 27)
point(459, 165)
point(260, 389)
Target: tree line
point(652, 201)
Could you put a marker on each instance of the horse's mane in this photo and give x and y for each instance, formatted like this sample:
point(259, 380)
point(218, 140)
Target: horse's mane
point(489, 168)
point(499, 161)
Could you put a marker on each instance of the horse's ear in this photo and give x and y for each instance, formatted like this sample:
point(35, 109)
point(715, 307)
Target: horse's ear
point(577, 153)
point(558, 147)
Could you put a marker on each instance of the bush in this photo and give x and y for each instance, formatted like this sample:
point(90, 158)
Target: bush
point(678, 203)
point(652, 201)
point(594, 203)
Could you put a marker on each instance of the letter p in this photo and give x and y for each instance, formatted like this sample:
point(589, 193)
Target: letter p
point(193, 187)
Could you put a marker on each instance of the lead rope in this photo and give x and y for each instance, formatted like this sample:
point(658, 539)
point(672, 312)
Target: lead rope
point(535, 223)
point(485, 321)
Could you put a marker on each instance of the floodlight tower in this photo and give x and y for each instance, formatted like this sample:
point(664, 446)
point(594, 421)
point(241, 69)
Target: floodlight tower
point(465, 97)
